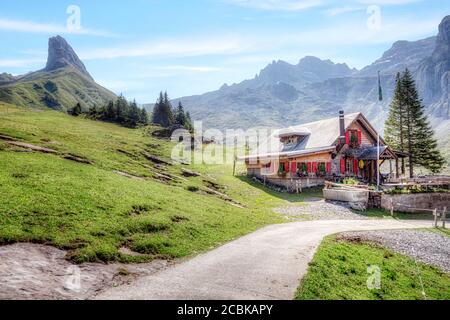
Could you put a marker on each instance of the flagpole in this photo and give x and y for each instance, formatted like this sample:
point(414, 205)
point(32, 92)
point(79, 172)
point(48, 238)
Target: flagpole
point(380, 98)
point(378, 162)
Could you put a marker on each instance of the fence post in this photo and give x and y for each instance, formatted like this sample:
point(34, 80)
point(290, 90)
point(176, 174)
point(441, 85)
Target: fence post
point(435, 218)
point(392, 208)
point(444, 217)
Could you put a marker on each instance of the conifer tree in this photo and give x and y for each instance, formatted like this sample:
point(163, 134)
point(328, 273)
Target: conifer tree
point(180, 116)
point(408, 129)
point(394, 126)
point(162, 112)
point(422, 145)
point(77, 110)
point(143, 117)
point(134, 114)
point(189, 125)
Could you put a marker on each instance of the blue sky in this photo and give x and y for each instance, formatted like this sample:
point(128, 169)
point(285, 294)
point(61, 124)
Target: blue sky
point(139, 47)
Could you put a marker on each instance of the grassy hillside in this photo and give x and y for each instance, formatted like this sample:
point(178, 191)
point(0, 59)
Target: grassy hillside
point(60, 90)
point(339, 271)
point(118, 197)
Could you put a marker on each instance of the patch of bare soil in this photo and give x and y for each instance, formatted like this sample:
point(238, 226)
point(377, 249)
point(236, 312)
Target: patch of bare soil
point(31, 272)
point(31, 147)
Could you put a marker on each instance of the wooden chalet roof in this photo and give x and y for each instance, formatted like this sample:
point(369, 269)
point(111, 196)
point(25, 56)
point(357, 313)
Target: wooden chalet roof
point(317, 136)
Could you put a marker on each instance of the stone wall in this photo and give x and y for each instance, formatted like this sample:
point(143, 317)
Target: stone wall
point(408, 202)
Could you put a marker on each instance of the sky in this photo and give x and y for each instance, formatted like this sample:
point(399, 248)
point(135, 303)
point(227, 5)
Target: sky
point(140, 47)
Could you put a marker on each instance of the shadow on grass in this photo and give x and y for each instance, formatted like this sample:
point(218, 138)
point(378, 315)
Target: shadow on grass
point(311, 194)
point(381, 213)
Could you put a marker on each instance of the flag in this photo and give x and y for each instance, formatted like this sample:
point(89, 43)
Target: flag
point(380, 90)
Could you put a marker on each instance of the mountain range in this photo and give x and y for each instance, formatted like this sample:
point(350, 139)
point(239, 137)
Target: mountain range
point(282, 94)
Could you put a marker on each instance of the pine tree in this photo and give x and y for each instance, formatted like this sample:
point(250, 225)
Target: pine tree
point(394, 126)
point(168, 110)
point(180, 116)
point(143, 117)
point(133, 114)
point(422, 145)
point(162, 112)
point(408, 130)
point(110, 111)
point(77, 110)
point(93, 112)
point(157, 117)
point(122, 110)
point(189, 126)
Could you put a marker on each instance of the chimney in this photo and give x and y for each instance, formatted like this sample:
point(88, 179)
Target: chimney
point(342, 127)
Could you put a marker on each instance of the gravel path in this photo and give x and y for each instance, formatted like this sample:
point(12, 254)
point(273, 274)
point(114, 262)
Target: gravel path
point(321, 210)
point(427, 247)
point(266, 264)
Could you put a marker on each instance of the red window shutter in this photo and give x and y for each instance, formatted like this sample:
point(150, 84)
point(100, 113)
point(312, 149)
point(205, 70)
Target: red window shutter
point(347, 137)
point(294, 167)
point(343, 166)
point(286, 166)
point(309, 167)
point(355, 166)
point(315, 166)
point(359, 137)
point(328, 167)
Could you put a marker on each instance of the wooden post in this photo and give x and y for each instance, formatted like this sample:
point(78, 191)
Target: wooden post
point(435, 218)
point(392, 208)
point(234, 166)
point(397, 169)
point(444, 217)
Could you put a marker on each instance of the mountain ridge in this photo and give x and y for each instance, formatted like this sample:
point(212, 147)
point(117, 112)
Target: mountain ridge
point(60, 85)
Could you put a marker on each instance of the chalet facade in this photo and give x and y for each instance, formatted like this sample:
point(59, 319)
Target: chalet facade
point(307, 155)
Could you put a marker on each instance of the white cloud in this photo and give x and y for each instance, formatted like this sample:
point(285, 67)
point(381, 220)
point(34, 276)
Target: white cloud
point(341, 10)
point(277, 5)
point(358, 34)
point(189, 68)
point(19, 63)
point(387, 2)
point(170, 48)
point(34, 27)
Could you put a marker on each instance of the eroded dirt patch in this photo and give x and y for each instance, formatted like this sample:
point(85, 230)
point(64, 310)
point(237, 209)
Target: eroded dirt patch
point(31, 271)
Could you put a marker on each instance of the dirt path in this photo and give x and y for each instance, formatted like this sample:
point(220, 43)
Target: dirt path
point(267, 264)
point(32, 271)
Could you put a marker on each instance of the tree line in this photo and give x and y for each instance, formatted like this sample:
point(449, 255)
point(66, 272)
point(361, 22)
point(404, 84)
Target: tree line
point(120, 111)
point(129, 114)
point(407, 128)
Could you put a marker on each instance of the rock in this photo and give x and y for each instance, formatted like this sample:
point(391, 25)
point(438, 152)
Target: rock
point(155, 159)
point(188, 173)
point(358, 206)
point(61, 55)
point(433, 73)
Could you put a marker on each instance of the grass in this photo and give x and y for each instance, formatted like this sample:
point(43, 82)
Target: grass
point(92, 212)
point(59, 90)
point(339, 272)
point(440, 231)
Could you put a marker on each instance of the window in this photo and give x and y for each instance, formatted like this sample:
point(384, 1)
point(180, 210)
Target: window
point(291, 140)
point(349, 165)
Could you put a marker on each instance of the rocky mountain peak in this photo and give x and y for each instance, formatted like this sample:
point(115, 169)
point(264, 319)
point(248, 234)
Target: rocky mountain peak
point(61, 55)
point(442, 50)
